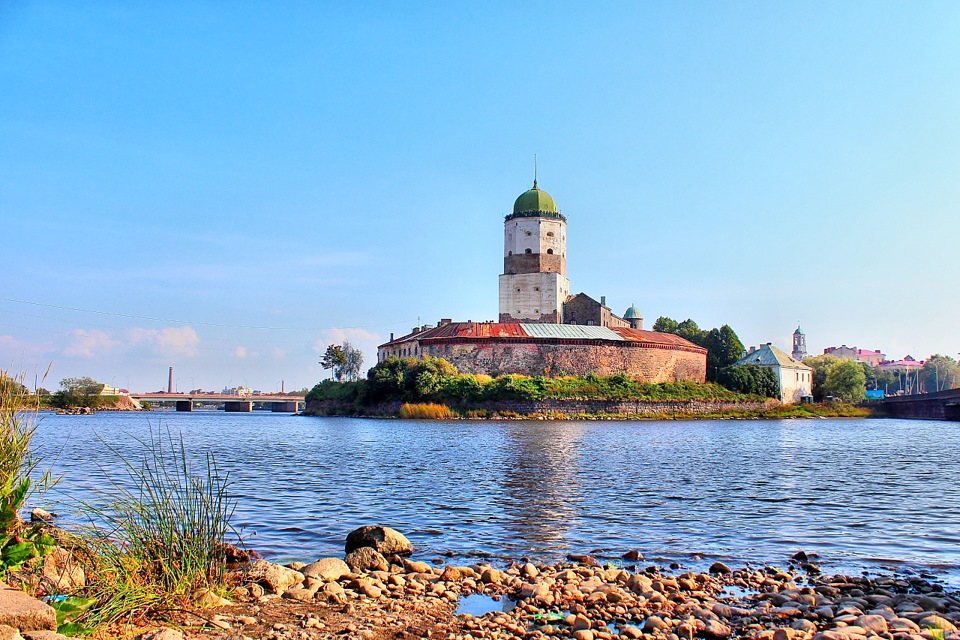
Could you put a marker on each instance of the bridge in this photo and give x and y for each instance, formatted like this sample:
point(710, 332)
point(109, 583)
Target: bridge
point(943, 405)
point(231, 403)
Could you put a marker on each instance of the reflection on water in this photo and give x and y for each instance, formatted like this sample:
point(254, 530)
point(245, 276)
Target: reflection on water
point(862, 494)
point(540, 496)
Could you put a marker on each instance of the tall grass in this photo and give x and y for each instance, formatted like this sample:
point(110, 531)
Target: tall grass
point(427, 411)
point(19, 542)
point(165, 537)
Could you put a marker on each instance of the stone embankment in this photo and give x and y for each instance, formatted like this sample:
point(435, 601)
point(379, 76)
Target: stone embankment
point(560, 408)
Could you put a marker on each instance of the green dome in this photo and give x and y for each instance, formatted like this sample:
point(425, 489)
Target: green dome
point(632, 314)
point(535, 200)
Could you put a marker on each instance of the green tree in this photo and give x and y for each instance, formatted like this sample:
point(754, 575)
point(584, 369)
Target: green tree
point(750, 378)
point(665, 325)
point(425, 379)
point(939, 373)
point(877, 378)
point(689, 330)
point(353, 361)
point(77, 392)
point(846, 380)
point(334, 360)
point(723, 349)
point(821, 366)
point(386, 380)
point(84, 386)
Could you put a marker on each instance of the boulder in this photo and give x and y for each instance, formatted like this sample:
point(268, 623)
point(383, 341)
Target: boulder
point(9, 633)
point(326, 569)
point(384, 540)
point(366, 559)
point(277, 577)
point(20, 611)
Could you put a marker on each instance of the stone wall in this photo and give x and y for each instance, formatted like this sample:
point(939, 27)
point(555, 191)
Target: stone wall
point(944, 405)
point(560, 407)
point(647, 363)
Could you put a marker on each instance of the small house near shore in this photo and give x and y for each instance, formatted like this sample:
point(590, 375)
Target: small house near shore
point(794, 377)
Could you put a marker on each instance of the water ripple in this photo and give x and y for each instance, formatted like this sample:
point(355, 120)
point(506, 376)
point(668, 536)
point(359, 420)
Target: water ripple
point(859, 493)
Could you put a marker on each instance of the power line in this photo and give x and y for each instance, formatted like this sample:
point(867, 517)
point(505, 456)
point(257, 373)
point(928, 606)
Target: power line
point(194, 322)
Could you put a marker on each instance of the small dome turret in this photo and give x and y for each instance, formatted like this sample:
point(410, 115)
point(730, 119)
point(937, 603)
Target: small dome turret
point(632, 313)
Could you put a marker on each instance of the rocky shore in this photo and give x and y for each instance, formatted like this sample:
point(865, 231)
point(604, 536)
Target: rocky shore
point(376, 592)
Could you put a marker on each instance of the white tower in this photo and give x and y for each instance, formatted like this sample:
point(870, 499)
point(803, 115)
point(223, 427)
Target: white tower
point(534, 285)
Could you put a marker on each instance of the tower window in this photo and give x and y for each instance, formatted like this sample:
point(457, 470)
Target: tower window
point(528, 233)
point(509, 253)
point(549, 234)
point(535, 289)
point(550, 251)
point(518, 289)
point(528, 251)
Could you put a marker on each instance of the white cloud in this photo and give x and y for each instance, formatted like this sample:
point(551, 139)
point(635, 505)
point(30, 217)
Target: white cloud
point(170, 341)
point(87, 344)
point(178, 341)
point(360, 338)
point(240, 352)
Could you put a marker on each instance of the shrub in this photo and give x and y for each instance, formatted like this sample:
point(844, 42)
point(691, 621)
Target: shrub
point(426, 411)
point(750, 378)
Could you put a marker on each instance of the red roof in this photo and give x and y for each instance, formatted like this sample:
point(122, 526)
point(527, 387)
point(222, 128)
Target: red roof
point(470, 331)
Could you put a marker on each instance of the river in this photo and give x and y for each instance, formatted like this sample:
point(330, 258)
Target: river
point(865, 495)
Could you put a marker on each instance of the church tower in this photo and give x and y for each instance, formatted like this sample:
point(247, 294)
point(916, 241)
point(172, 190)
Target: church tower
point(799, 344)
point(534, 285)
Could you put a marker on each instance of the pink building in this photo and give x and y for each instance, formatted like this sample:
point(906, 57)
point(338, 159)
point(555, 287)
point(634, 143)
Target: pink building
point(873, 358)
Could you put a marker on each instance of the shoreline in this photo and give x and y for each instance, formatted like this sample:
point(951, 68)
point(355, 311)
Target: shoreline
point(383, 597)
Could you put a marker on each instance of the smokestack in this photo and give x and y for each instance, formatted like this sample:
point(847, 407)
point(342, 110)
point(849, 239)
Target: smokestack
point(283, 386)
point(603, 301)
point(170, 382)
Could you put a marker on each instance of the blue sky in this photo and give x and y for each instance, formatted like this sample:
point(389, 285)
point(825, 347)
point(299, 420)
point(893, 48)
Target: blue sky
point(226, 188)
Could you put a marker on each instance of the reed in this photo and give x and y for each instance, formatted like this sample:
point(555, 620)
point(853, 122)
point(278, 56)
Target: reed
point(426, 411)
point(162, 534)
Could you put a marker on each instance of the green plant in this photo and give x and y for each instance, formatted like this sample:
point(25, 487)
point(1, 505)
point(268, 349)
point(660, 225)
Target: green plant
point(19, 542)
point(162, 534)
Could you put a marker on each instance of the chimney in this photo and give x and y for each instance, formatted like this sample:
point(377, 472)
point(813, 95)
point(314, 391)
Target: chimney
point(391, 336)
point(445, 321)
point(170, 381)
point(603, 301)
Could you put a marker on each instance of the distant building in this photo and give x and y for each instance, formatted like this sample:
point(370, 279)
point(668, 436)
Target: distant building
point(794, 377)
point(107, 390)
point(872, 358)
point(799, 344)
point(582, 309)
point(908, 364)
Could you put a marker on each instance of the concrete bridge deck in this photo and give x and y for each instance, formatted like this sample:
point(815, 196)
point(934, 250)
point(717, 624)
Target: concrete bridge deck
point(944, 405)
point(231, 403)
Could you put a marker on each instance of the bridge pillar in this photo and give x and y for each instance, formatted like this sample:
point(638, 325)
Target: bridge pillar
point(244, 406)
point(285, 406)
point(184, 405)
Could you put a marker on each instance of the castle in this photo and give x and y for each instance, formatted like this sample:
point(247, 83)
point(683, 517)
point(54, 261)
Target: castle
point(542, 329)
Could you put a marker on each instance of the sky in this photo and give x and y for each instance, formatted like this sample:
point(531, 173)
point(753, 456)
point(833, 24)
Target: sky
point(226, 188)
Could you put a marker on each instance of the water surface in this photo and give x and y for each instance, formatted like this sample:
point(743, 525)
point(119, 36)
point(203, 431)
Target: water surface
point(863, 494)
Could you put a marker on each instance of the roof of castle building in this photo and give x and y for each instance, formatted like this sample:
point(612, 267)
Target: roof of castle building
point(543, 332)
point(632, 313)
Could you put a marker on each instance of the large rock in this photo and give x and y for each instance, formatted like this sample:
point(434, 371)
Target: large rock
point(383, 540)
point(326, 569)
point(277, 577)
point(20, 611)
point(366, 559)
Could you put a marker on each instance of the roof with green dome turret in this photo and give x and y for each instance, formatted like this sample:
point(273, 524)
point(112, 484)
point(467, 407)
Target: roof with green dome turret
point(632, 313)
point(535, 203)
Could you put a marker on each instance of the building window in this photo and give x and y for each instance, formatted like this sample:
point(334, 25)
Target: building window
point(509, 253)
point(518, 289)
point(549, 234)
point(528, 251)
point(550, 251)
point(528, 233)
point(535, 289)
